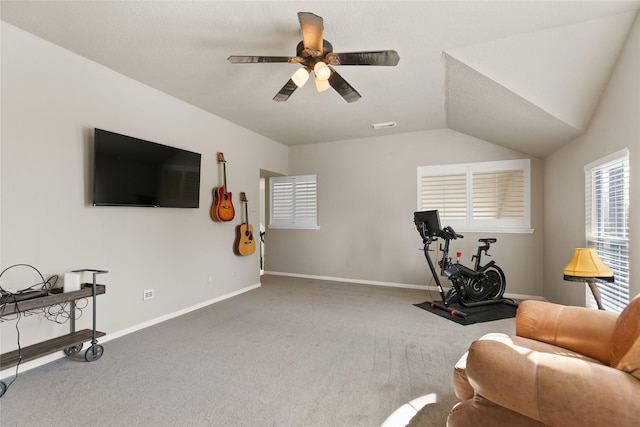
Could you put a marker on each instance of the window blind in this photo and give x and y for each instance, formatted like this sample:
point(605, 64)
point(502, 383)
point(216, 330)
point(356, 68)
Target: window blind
point(446, 193)
point(607, 220)
point(294, 201)
point(498, 195)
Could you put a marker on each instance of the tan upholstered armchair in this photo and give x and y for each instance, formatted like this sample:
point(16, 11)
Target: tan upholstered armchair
point(566, 366)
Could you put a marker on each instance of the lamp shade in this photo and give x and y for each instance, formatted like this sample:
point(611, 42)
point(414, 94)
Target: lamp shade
point(322, 85)
point(586, 264)
point(300, 77)
point(322, 71)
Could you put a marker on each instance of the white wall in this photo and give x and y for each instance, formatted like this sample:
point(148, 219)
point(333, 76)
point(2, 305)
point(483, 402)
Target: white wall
point(367, 195)
point(615, 125)
point(51, 101)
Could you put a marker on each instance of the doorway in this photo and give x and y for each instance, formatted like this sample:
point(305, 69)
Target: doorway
point(262, 225)
point(264, 214)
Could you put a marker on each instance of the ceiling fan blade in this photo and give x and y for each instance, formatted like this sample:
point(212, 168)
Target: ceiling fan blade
point(285, 92)
point(312, 28)
point(343, 88)
point(380, 57)
point(235, 59)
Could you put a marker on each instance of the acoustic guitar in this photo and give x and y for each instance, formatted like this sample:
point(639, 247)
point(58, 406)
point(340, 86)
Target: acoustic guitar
point(245, 245)
point(222, 209)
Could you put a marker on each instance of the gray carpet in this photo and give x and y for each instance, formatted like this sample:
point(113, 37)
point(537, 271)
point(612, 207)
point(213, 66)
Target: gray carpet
point(294, 352)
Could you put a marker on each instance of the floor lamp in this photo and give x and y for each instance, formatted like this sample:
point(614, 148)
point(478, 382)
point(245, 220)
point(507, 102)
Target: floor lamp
point(586, 266)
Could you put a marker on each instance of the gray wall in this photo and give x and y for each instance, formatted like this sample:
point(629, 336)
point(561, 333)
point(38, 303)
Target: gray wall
point(367, 195)
point(51, 101)
point(615, 125)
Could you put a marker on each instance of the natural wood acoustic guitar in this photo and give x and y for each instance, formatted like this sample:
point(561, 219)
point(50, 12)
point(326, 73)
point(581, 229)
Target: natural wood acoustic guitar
point(245, 244)
point(222, 209)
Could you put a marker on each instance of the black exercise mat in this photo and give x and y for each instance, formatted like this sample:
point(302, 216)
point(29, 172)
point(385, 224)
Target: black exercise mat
point(481, 313)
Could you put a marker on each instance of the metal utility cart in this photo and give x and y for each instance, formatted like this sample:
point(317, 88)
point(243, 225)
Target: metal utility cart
point(71, 343)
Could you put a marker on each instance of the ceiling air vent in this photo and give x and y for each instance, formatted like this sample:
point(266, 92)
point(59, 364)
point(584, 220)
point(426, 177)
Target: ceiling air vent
point(378, 126)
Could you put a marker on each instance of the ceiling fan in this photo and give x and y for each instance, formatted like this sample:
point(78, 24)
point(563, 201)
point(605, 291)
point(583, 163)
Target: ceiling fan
point(316, 54)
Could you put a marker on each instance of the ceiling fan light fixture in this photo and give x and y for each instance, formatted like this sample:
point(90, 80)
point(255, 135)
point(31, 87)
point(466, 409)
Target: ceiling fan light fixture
point(300, 77)
point(322, 85)
point(322, 71)
point(315, 54)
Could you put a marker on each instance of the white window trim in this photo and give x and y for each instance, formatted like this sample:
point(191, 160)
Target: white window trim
point(293, 223)
point(468, 224)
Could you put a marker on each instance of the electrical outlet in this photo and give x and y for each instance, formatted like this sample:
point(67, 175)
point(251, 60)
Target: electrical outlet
point(147, 294)
point(210, 279)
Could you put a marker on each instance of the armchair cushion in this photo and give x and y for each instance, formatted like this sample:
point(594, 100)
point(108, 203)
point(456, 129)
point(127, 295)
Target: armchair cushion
point(579, 329)
point(630, 362)
point(625, 342)
point(486, 414)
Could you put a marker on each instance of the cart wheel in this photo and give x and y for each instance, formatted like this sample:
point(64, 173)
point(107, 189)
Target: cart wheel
point(3, 388)
point(94, 353)
point(70, 351)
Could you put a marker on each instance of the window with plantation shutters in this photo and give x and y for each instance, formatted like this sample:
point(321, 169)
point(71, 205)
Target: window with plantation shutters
point(446, 192)
point(498, 194)
point(293, 201)
point(490, 196)
point(607, 225)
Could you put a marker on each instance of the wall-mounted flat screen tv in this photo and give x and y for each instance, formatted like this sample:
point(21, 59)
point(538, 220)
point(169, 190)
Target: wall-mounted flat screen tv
point(129, 171)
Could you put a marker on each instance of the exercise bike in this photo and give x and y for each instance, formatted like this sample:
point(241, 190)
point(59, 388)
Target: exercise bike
point(482, 285)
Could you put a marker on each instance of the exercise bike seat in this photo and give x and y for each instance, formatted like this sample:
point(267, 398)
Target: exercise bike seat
point(489, 240)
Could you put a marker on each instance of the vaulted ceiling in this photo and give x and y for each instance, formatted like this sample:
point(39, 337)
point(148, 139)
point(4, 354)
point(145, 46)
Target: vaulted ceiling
point(527, 75)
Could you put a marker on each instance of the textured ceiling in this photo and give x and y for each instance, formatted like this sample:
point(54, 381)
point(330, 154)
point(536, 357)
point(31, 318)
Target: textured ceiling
point(523, 74)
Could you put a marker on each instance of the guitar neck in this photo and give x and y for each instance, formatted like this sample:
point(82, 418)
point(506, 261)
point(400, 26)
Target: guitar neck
point(224, 176)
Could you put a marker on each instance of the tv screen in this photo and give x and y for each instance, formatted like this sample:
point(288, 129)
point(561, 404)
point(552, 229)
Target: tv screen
point(428, 223)
point(133, 172)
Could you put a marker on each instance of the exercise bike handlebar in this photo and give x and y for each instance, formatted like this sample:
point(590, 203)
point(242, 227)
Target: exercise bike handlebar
point(450, 234)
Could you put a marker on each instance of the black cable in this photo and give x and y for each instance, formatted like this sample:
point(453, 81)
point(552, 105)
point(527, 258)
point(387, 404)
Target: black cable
point(18, 313)
point(62, 314)
point(15, 377)
point(43, 282)
point(51, 281)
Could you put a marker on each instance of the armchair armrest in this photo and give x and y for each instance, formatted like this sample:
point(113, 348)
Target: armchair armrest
point(578, 329)
point(552, 388)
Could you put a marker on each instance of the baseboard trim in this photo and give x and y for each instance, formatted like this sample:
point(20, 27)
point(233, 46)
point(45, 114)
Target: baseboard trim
point(358, 281)
point(24, 367)
point(391, 284)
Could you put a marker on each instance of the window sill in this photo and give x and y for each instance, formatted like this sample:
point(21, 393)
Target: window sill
point(495, 230)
